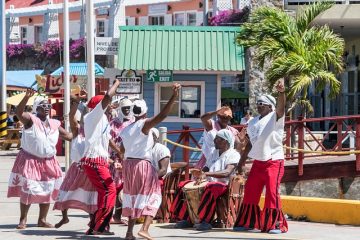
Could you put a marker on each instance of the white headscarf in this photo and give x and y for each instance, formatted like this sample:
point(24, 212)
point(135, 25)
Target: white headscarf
point(227, 135)
point(142, 105)
point(37, 101)
point(268, 99)
point(123, 102)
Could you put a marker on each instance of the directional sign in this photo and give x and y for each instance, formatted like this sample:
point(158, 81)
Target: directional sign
point(159, 75)
point(130, 83)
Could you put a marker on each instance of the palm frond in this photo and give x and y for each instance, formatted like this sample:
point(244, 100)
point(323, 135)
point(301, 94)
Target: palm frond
point(304, 104)
point(306, 16)
point(327, 78)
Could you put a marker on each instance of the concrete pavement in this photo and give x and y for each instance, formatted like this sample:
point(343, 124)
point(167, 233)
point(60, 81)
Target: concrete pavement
point(9, 209)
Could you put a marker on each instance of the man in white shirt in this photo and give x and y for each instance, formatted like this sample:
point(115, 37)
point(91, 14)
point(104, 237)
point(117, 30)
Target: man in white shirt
point(217, 170)
point(266, 148)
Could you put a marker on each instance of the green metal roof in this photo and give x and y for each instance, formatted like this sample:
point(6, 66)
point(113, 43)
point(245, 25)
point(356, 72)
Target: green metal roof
point(180, 48)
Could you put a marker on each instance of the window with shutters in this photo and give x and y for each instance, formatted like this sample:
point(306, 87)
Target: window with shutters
point(191, 18)
point(100, 28)
point(23, 35)
point(156, 20)
point(179, 19)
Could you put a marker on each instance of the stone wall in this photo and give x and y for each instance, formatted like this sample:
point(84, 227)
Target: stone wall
point(342, 188)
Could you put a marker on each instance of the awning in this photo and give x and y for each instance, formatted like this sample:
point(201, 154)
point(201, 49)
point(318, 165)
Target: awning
point(227, 93)
point(23, 78)
point(79, 69)
point(16, 99)
point(180, 48)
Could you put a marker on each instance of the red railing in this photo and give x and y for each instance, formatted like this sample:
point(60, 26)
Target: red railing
point(343, 134)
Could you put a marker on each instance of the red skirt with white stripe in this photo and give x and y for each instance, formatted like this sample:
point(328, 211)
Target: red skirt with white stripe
point(34, 179)
point(76, 191)
point(142, 191)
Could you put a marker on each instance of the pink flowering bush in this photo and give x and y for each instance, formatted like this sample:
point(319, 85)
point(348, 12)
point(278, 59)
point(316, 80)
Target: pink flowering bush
point(51, 49)
point(19, 50)
point(77, 49)
point(230, 17)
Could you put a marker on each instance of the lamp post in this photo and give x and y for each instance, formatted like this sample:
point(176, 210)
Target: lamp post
point(66, 79)
point(90, 48)
point(3, 114)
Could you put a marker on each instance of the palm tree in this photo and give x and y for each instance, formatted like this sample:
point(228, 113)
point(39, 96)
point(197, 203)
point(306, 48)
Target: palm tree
point(295, 50)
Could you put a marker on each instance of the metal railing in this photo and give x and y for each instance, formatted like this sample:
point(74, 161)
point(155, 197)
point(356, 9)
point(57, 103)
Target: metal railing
point(300, 142)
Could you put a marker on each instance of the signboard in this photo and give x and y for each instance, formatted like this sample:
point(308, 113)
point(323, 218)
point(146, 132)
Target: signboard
point(159, 75)
point(53, 84)
point(130, 82)
point(106, 46)
point(156, 9)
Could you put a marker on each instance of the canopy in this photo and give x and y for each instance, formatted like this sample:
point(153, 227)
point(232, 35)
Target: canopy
point(79, 69)
point(23, 78)
point(227, 93)
point(16, 99)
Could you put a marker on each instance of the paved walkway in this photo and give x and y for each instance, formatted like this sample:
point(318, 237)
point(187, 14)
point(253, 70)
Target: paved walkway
point(75, 229)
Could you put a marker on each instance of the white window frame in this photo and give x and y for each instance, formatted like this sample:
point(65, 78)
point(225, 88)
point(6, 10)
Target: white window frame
point(156, 15)
point(187, 20)
point(100, 33)
point(40, 40)
point(22, 39)
point(180, 12)
point(201, 84)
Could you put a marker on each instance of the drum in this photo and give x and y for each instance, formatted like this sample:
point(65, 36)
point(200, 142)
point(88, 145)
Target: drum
point(193, 194)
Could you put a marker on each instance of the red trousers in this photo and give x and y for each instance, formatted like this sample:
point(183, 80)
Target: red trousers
point(269, 174)
point(101, 178)
point(207, 205)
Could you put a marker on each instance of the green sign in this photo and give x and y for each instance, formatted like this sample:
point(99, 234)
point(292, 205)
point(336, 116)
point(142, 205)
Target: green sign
point(159, 75)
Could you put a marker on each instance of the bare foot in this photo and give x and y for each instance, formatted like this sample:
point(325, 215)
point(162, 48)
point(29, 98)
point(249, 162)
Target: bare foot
point(21, 226)
point(145, 235)
point(62, 222)
point(45, 225)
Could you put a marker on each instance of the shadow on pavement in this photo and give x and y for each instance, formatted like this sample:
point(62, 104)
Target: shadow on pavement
point(61, 234)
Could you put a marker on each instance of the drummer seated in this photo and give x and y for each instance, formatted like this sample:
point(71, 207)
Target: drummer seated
point(217, 171)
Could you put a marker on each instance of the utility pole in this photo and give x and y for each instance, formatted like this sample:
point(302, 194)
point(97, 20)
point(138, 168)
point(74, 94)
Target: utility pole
point(3, 113)
point(66, 76)
point(90, 48)
point(206, 11)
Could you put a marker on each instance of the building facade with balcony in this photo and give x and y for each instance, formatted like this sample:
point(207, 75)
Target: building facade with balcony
point(344, 19)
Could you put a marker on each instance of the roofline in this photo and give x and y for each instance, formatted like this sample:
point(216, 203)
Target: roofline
point(180, 28)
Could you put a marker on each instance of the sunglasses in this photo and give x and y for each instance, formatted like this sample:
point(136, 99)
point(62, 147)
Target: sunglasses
point(262, 104)
point(45, 105)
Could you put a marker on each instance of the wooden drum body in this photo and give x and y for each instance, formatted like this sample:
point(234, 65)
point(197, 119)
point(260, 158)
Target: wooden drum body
point(193, 194)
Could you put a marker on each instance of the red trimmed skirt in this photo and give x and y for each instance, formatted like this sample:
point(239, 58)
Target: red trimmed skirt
point(142, 191)
point(34, 179)
point(76, 191)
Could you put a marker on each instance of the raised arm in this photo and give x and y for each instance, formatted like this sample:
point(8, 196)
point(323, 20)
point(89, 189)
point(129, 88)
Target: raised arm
point(281, 100)
point(244, 157)
point(109, 94)
point(152, 122)
point(24, 117)
point(74, 125)
point(206, 118)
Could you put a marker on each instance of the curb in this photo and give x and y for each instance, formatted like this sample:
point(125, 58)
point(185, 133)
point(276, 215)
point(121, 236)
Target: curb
point(323, 210)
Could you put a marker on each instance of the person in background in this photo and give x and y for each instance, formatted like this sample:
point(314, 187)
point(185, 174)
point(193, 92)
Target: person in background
point(142, 191)
point(76, 191)
point(124, 118)
point(246, 119)
point(266, 148)
point(95, 161)
point(36, 175)
point(217, 171)
point(223, 115)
